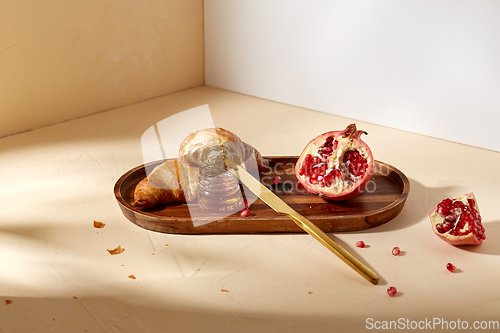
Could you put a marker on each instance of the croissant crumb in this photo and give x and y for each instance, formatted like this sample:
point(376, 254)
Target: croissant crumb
point(118, 250)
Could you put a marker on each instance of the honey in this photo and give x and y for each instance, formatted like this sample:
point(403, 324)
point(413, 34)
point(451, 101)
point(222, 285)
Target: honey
point(219, 190)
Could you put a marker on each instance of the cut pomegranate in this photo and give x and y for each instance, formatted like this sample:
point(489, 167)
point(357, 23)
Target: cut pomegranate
point(457, 221)
point(396, 251)
point(336, 165)
point(391, 291)
point(450, 267)
point(360, 244)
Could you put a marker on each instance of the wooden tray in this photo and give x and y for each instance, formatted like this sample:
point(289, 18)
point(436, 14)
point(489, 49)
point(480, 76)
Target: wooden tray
point(382, 200)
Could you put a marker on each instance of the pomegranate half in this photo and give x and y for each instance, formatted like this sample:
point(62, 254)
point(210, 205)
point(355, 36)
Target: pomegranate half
point(336, 165)
point(457, 221)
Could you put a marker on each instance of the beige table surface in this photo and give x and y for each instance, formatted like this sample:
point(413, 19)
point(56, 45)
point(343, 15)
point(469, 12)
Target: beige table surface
point(55, 268)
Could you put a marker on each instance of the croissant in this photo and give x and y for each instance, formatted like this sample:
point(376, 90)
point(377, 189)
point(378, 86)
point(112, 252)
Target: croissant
point(177, 179)
point(163, 185)
point(210, 145)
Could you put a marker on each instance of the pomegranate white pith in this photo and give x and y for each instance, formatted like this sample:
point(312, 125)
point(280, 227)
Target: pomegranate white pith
point(458, 221)
point(336, 165)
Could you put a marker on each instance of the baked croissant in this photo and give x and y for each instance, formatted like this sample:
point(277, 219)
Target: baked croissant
point(163, 185)
point(177, 179)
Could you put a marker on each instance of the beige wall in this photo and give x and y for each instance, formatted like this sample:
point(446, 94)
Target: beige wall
point(63, 59)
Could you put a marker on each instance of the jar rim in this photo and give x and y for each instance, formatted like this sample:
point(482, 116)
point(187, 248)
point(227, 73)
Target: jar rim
point(214, 170)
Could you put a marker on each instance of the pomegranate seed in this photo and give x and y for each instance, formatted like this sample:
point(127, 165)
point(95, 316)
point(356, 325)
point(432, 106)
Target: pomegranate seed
point(466, 217)
point(450, 267)
point(330, 208)
point(396, 251)
point(276, 180)
point(447, 226)
point(391, 291)
point(360, 244)
point(327, 150)
point(355, 162)
point(450, 218)
point(245, 212)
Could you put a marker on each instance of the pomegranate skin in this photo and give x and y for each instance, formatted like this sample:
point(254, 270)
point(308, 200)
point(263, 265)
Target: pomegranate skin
point(468, 239)
point(348, 139)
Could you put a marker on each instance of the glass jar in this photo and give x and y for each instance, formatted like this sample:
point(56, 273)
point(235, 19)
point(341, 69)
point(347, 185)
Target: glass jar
point(219, 190)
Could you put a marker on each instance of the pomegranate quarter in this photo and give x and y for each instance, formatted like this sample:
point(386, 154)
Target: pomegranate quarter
point(336, 165)
point(457, 221)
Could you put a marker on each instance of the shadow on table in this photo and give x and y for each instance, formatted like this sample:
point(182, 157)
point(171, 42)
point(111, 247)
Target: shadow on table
point(421, 200)
point(115, 314)
point(348, 247)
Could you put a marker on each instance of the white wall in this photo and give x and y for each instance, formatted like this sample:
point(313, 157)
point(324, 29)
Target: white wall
point(430, 67)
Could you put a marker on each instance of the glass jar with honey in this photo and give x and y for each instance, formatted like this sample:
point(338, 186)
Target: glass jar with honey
point(219, 189)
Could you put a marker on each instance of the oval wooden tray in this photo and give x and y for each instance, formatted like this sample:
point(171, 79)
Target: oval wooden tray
point(382, 200)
